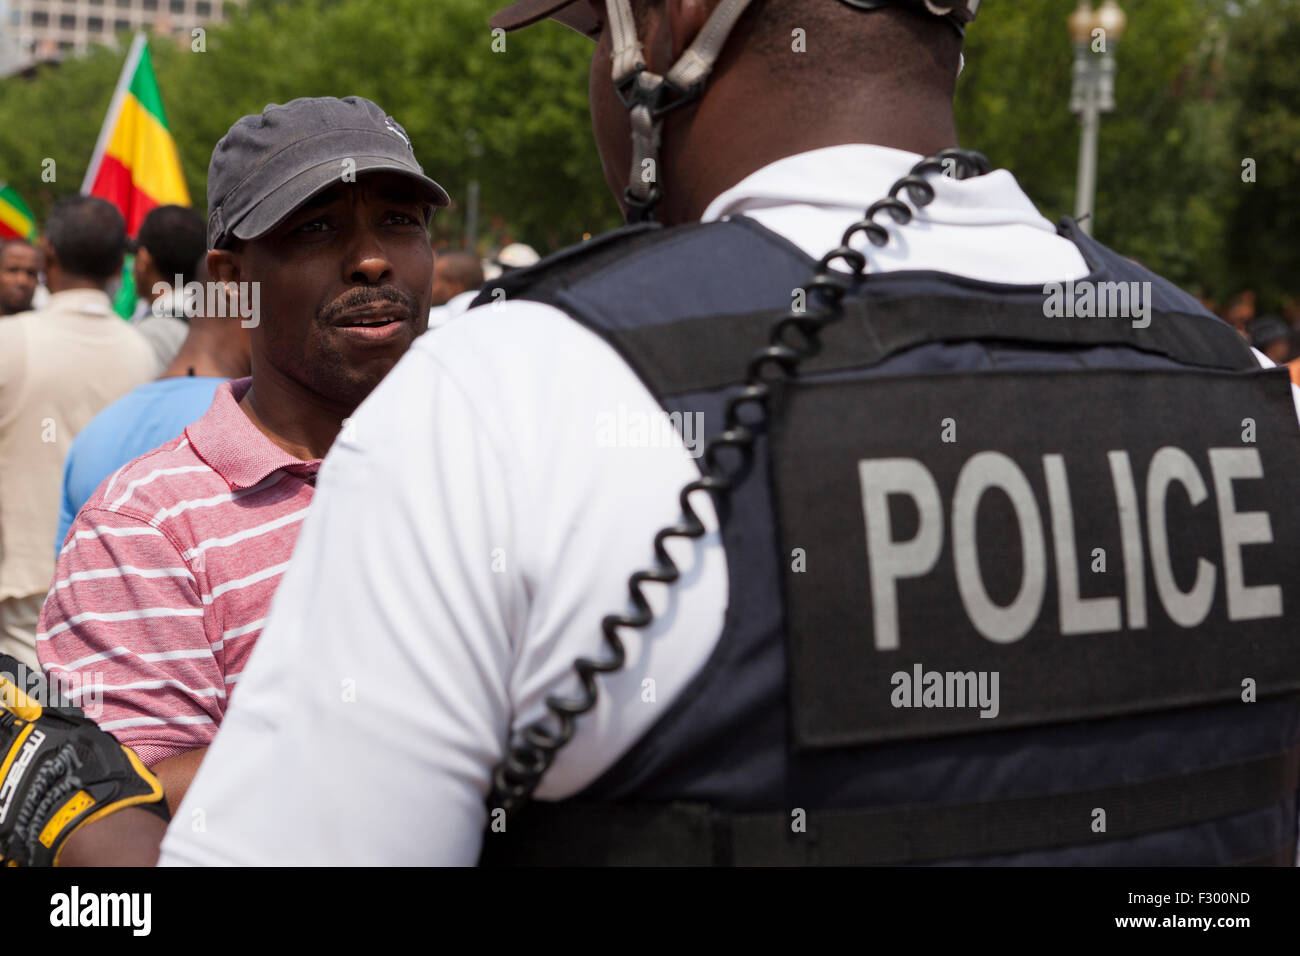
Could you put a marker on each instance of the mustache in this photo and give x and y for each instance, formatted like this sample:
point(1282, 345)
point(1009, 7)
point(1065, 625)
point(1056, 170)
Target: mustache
point(369, 295)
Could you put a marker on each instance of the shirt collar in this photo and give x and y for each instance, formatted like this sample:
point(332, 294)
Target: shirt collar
point(855, 176)
point(83, 301)
point(232, 446)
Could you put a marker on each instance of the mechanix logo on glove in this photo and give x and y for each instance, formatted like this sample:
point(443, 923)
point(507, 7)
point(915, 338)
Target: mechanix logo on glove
point(58, 772)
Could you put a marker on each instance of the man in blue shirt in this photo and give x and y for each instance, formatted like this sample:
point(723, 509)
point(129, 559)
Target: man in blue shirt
point(215, 350)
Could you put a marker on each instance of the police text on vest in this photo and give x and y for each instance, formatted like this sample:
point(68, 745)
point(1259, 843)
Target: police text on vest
point(890, 560)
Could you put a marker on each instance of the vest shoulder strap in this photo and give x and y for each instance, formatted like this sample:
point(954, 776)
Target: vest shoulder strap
point(572, 261)
point(645, 254)
point(646, 274)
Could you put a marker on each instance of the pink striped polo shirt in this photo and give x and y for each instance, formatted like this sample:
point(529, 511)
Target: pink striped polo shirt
point(167, 575)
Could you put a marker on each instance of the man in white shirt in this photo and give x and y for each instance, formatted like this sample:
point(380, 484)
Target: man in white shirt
point(59, 366)
point(445, 584)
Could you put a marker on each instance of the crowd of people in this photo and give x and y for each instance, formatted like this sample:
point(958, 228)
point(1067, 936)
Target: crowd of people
point(1274, 334)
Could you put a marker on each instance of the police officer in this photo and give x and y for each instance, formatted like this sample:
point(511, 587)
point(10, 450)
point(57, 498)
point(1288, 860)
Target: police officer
point(960, 536)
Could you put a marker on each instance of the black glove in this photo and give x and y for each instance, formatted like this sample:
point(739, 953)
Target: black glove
point(58, 771)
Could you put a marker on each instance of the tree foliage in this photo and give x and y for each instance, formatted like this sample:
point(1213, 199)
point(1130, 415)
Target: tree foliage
point(1202, 86)
point(1263, 223)
point(515, 120)
point(1164, 182)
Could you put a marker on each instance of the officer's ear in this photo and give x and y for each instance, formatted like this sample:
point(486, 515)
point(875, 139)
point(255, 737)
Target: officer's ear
point(686, 18)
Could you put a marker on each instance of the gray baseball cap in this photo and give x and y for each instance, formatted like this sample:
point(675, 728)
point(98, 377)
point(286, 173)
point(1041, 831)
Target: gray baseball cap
point(268, 165)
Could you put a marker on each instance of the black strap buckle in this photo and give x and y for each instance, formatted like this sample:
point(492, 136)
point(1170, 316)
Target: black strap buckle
point(642, 210)
point(633, 93)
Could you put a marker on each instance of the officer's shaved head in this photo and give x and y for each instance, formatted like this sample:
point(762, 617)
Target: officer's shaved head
point(793, 76)
point(839, 41)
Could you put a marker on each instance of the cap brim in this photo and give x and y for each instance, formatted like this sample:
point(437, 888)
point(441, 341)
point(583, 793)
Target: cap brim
point(574, 14)
point(287, 198)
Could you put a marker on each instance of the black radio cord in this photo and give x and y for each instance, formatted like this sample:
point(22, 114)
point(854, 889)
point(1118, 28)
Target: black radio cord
point(528, 758)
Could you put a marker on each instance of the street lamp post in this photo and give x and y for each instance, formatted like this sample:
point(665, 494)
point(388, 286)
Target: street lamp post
point(1095, 33)
point(474, 148)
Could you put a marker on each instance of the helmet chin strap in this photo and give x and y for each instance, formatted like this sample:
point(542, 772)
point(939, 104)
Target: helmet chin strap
point(649, 97)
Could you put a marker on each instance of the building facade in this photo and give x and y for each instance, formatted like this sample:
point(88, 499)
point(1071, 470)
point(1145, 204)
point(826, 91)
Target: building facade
point(35, 30)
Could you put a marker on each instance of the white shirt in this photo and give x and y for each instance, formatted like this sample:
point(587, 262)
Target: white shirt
point(472, 528)
point(453, 308)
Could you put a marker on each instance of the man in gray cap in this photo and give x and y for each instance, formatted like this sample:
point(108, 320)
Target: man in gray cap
point(304, 200)
point(318, 230)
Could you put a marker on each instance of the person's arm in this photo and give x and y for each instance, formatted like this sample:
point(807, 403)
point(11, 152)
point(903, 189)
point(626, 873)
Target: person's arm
point(130, 837)
point(176, 774)
point(97, 801)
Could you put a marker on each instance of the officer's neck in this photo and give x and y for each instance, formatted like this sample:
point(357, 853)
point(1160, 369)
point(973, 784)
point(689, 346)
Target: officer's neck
point(737, 130)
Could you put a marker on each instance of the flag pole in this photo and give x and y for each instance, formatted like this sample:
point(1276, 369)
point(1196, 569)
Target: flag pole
point(133, 55)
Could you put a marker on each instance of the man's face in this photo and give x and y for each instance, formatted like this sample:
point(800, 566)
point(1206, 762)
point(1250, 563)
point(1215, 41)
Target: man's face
point(19, 267)
point(345, 284)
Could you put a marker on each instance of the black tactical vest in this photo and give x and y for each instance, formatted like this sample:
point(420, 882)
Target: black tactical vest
point(1014, 577)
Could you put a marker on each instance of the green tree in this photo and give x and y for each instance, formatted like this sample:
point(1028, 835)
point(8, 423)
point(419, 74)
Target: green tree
point(55, 116)
point(433, 66)
point(1202, 85)
point(1162, 196)
point(1261, 246)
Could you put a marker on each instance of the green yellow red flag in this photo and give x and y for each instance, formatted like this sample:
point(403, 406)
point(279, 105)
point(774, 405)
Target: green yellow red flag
point(136, 166)
point(16, 220)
